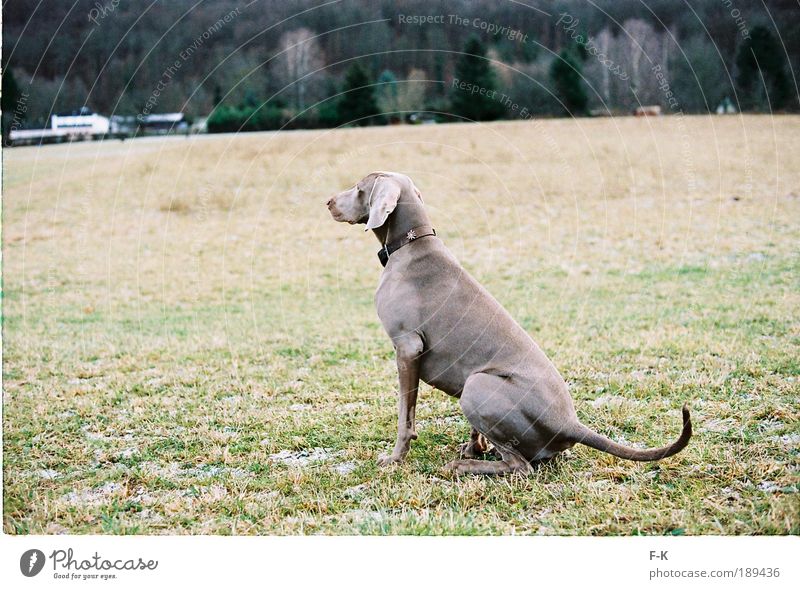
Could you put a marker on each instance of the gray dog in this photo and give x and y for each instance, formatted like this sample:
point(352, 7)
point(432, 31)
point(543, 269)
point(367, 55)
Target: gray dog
point(450, 332)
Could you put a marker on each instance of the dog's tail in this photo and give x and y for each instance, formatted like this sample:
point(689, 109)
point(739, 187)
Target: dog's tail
point(590, 438)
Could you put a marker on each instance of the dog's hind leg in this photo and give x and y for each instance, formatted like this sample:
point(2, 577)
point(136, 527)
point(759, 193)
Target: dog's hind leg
point(492, 412)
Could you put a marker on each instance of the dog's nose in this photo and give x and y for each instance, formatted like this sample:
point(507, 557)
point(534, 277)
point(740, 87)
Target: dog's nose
point(330, 202)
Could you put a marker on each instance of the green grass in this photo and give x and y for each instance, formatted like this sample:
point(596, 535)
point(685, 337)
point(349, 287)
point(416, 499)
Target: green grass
point(203, 422)
point(149, 395)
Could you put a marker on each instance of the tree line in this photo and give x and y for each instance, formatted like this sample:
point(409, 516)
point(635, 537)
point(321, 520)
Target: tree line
point(276, 64)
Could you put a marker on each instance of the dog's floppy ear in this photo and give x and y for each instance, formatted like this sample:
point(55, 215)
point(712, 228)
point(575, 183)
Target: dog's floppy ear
point(382, 201)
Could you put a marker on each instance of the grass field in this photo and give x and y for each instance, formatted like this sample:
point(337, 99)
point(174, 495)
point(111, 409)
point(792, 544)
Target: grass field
point(190, 344)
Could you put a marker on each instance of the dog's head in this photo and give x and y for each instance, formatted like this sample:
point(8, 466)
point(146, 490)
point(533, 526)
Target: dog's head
point(372, 199)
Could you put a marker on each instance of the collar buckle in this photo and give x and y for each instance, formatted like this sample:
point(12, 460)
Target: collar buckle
point(383, 255)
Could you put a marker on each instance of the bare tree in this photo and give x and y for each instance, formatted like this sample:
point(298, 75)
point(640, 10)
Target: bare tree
point(604, 39)
point(411, 94)
point(644, 52)
point(300, 55)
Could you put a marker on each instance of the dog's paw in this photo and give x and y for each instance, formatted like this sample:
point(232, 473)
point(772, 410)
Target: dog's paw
point(389, 460)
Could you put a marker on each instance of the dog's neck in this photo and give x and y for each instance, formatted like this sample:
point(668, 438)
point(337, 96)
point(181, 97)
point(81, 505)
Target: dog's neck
point(408, 214)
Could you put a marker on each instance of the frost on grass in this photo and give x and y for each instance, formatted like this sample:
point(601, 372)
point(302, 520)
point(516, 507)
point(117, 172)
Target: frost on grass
point(351, 407)
point(448, 420)
point(92, 496)
point(53, 529)
point(303, 458)
point(94, 436)
point(773, 487)
point(355, 491)
point(225, 435)
point(731, 494)
point(173, 470)
point(770, 425)
point(127, 453)
point(48, 474)
point(176, 501)
point(625, 442)
point(718, 425)
point(789, 440)
point(170, 502)
point(360, 516)
point(612, 401)
point(344, 467)
point(149, 515)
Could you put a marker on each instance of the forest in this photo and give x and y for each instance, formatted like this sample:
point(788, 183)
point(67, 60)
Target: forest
point(289, 64)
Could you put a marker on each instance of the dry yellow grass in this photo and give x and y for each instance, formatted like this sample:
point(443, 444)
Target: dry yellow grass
point(178, 311)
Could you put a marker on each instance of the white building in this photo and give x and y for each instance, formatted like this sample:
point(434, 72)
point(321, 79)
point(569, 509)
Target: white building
point(84, 124)
point(80, 122)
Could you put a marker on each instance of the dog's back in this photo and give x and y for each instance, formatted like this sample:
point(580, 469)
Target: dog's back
point(453, 312)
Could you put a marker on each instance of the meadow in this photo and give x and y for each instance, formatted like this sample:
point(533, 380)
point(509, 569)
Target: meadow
point(190, 344)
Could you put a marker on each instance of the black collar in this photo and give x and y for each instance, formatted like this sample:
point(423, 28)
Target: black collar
point(415, 233)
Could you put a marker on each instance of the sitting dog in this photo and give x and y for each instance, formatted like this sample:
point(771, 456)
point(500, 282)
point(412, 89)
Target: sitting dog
point(450, 332)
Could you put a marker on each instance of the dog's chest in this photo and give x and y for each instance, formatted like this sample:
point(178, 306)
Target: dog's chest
point(414, 292)
point(463, 328)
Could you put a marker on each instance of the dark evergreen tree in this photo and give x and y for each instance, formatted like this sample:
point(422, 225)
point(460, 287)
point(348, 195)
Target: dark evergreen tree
point(565, 72)
point(250, 99)
point(475, 96)
point(760, 55)
point(358, 105)
point(328, 109)
point(9, 97)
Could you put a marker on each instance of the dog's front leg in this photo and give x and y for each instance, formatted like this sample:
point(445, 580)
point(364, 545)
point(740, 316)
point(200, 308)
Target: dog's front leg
point(408, 349)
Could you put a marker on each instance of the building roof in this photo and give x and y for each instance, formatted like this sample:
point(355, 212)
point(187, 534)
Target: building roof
point(169, 117)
